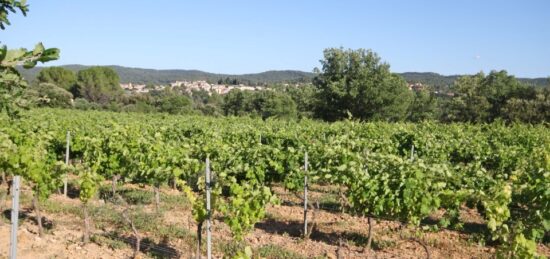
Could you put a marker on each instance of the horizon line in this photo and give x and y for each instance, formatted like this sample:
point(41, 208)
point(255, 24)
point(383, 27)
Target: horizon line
point(283, 70)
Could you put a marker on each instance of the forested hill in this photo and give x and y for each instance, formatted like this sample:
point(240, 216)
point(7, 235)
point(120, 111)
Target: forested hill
point(153, 76)
point(437, 80)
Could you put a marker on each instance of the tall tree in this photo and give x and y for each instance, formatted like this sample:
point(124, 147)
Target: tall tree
point(303, 96)
point(468, 104)
point(532, 110)
point(98, 84)
point(423, 107)
point(273, 104)
point(481, 98)
point(58, 76)
point(236, 102)
point(356, 82)
point(498, 87)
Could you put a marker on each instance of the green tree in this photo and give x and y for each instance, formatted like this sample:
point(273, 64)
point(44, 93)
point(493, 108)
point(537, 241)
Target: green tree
point(531, 110)
point(7, 6)
point(481, 98)
point(11, 82)
point(269, 103)
point(468, 104)
point(264, 103)
point(200, 97)
point(303, 97)
point(423, 107)
point(236, 102)
point(98, 84)
point(208, 103)
point(498, 87)
point(50, 95)
point(58, 76)
point(356, 82)
point(175, 104)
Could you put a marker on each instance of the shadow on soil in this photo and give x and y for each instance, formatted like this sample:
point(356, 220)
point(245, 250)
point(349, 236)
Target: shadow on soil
point(328, 206)
point(73, 191)
point(467, 227)
point(294, 229)
point(475, 231)
point(148, 246)
point(47, 224)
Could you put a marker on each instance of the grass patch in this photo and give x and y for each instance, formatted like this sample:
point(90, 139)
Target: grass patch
point(277, 252)
point(55, 207)
point(168, 232)
point(358, 239)
point(324, 188)
point(131, 195)
point(229, 249)
point(137, 196)
point(105, 216)
point(272, 216)
point(382, 244)
point(150, 222)
point(330, 202)
point(145, 221)
point(25, 198)
point(171, 202)
point(107, 241)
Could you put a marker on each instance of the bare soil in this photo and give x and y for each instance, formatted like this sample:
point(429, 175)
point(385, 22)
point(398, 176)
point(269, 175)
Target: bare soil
point(334, 234)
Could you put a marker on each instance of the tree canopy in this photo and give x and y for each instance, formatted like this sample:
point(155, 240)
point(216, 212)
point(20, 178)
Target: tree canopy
point(59, 76)
point(264, 103)
point(481, 98)
point(98, 84)
point(356, 82)
point(7, 6)
point(49, 95)
point(423, 107)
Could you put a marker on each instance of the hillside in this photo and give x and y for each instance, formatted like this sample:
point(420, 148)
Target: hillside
point(153, 76)
point(438, 81)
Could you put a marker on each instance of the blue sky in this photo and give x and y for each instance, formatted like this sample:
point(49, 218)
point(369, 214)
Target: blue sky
point(448, 37)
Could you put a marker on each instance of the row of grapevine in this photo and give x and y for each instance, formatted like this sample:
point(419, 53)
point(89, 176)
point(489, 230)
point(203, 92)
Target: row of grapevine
point(503, 170)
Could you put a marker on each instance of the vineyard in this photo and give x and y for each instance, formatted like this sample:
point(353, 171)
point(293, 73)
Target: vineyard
point(420, 177)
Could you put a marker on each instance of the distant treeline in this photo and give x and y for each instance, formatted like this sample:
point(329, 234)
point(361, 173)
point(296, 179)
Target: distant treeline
point(442, 82)
point(350, 84)
point(161, 77)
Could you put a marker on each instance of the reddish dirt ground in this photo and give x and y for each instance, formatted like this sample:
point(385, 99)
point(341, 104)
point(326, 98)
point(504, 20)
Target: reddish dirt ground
point(333, 233)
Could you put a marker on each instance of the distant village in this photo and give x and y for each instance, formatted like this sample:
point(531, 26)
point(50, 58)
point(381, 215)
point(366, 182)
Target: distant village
point(221, 89)
point(189, 86)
